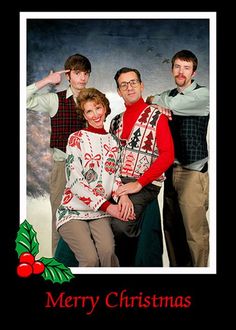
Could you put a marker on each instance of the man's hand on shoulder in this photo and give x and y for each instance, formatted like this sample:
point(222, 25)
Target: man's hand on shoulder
point(165, 111)
point(149, 99)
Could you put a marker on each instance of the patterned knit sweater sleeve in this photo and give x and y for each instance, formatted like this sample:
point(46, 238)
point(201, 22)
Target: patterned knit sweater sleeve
point(166, 152)
point(80, 184)
point(92, 171)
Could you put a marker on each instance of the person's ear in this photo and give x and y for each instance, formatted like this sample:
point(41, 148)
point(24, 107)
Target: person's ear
point(84, 116)
point(119, 93)
point(67, 76)
point(142, 86)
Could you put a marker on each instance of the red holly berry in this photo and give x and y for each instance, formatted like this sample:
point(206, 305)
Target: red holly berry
point(26, 257)
point(24, 270)
point(38, 267)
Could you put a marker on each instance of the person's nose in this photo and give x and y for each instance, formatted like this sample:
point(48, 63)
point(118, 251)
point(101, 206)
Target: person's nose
point(83, 76)
point(95, 114)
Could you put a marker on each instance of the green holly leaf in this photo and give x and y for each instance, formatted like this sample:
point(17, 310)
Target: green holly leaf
point(26, 240)
point(69, 161)
point(55, 271)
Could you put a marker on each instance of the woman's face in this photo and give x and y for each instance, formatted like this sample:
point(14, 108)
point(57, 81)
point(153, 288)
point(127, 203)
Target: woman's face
point(95, 114)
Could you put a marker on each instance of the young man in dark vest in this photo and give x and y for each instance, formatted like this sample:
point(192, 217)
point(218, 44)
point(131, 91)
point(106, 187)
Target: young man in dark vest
point(64, 121)
point(186, 188)
point(147, 152)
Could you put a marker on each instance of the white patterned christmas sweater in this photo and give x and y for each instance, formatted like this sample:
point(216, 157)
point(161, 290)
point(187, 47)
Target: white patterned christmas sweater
point(92, 173)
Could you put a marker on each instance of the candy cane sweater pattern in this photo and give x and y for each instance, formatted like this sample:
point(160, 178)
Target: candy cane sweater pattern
point(92, 172)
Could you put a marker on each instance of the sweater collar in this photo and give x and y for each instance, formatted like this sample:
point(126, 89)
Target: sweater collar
point(139, 105)
point(96, 130)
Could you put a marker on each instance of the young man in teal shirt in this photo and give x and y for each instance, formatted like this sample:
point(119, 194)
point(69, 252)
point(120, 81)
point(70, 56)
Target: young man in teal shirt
point(187, 186)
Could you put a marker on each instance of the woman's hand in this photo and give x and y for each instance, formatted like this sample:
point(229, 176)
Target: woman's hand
point(126, 208)
point(115, 212)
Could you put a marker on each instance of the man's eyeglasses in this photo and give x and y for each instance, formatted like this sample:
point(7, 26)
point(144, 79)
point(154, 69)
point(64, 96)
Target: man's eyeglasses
point(133, 83)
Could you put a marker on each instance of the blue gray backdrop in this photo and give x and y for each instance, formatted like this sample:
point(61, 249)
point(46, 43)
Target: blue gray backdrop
point(146, 44)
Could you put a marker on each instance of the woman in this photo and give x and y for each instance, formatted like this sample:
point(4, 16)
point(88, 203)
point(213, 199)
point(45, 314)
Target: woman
point(92, 166)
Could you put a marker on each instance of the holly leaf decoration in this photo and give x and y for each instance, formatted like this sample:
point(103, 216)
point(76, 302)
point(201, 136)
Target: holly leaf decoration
point(26, 240)
point(69, 161)
point(55, 271)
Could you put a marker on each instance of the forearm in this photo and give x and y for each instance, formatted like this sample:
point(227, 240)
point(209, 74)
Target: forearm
point(165, 158)
point(44, 103)
point(162, 163)
point(192, 104)
point(43, 82)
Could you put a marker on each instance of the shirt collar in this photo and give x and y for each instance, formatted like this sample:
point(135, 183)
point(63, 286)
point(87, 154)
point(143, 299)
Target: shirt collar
point(189, 88)
point(69, 92)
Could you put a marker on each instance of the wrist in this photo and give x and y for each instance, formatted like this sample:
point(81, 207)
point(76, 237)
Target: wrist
point(140, 185)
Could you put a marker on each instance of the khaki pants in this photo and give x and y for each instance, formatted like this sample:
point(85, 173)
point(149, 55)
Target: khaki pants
point(57, 186)
point(192, 188)
point(91, 241)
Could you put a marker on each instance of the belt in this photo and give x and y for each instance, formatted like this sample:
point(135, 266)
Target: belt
point(203, 170)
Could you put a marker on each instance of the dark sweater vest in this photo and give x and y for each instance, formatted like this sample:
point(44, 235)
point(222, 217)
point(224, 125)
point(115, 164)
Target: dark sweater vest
point(189, 135)
point(65, 122)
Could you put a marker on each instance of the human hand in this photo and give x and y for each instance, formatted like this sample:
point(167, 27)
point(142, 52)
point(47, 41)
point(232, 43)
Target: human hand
point(54, 78)
point(165, 111)
point(129, 188)
point(126, 207)
point(149, 99)
point(114, 211)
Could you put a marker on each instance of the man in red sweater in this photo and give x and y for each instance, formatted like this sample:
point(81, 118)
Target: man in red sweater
point(147, 152)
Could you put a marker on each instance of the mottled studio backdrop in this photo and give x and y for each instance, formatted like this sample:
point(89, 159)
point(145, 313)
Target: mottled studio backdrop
point(145, 44)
